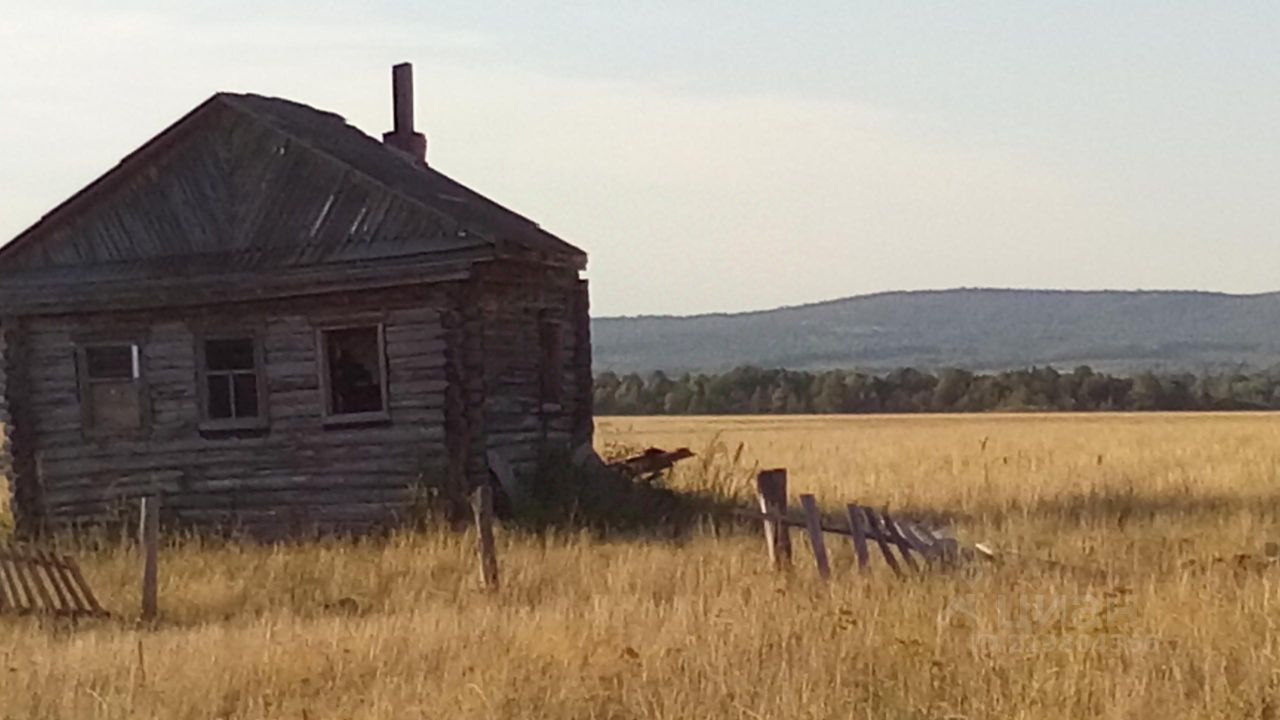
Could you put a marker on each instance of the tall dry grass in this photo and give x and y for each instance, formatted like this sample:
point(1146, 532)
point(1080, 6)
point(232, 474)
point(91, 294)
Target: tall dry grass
point(1135, 585)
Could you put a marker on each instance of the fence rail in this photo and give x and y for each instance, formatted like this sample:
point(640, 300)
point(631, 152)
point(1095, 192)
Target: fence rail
point(901, 542)
point(38, 582)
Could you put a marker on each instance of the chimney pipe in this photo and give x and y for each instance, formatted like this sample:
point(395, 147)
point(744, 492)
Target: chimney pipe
point(403, 137)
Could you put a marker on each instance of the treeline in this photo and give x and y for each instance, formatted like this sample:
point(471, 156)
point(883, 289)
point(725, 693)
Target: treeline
point(751, 390)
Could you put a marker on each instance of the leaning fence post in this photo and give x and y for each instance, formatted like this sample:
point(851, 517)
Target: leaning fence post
point(482, 506)
point(149, 540)
point(771, 489)
point(813, 524)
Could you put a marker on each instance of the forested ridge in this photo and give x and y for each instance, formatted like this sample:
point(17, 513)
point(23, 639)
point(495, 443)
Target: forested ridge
point(979, 329)
point(752, 390)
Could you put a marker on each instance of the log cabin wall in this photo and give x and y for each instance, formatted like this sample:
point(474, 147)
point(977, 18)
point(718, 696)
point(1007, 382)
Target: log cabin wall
point(18, 466)
point(522, 307)
point(296, 474)
point(6, 427)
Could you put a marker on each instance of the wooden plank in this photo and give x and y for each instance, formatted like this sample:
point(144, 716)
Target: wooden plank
point(857, 536)
point(149, 540)
point(7, 585)
point(49, 564)
point(882, 540)
point(918, 541)
point(814, 527)
point(23, 600)
point(771, 491)
point(5, 603)
point(17, 566)
point(891, 529)
point(482, 506)
point(77, 603)
point(83, 587)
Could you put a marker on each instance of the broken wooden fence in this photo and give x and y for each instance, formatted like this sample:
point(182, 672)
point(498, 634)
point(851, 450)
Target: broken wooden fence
point(900, 542)
point(39, 582)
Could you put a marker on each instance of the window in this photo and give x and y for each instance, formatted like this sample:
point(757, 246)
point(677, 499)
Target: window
point(550, 342)
point(111, 388)
point(354, 373)
point(231, 388)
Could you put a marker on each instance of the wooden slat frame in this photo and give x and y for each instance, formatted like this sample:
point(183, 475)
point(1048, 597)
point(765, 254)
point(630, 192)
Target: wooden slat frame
point(41, 582)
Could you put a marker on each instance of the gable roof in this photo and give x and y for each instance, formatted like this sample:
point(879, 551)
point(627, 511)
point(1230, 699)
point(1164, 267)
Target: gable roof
point(247, 183)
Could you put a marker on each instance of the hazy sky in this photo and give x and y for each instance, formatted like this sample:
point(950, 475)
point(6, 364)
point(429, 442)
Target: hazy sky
point(736, 155)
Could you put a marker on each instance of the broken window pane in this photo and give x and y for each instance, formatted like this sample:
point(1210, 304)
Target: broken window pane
point(231, 379)
point(111, 392)
point(110, 362)
point(355, 370)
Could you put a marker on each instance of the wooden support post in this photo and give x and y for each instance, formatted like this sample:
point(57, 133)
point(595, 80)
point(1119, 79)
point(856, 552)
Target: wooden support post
point(771, 490)
point(813, 525)
point(149, 540)
point(482, 506)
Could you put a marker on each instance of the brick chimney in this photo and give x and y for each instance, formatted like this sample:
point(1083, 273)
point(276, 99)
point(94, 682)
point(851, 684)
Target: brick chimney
point(403, 137)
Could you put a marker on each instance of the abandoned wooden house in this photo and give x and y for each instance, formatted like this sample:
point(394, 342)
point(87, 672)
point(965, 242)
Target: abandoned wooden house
point(273, 320)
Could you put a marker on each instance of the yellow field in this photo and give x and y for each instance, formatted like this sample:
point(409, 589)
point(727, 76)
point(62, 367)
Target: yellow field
point(1135, 583)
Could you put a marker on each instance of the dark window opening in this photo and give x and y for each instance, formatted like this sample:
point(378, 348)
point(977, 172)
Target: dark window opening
point(355, 381)
point(111, 391)
point(550, 342)
point(231, 379)
point(111, 362)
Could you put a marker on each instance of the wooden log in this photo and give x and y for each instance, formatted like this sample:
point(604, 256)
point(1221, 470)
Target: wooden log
point(482, 506)
point(858, 537)
point(149, 541)
point(771, 491)
point(814, 528)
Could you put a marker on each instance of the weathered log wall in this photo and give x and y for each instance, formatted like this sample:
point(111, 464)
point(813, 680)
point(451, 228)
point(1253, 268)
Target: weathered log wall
point(296, 475)
point(17, 454)
point(6, 424)
point(518, 421)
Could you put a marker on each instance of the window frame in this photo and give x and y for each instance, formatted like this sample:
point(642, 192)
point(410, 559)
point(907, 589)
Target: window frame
point(328, 417)
point(137, 346)
point(209, 424)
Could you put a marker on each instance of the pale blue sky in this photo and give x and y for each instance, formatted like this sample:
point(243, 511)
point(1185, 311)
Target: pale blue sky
point(736, 155)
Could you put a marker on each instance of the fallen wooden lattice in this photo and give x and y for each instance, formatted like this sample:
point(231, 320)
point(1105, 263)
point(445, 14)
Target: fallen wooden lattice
point(38, 582)
point(900, 542)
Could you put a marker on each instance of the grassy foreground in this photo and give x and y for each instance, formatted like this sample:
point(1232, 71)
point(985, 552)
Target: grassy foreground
point(1135, 584)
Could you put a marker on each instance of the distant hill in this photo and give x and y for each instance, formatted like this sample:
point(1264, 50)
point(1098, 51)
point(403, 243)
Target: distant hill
point(976, 329)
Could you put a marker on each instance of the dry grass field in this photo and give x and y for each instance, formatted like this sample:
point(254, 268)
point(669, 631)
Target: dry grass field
point(1134, 584)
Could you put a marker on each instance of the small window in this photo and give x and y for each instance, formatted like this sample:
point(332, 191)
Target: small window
point(550, 341)
point(354, 373)
point(230, 384)
point(111, 391)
